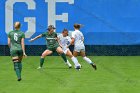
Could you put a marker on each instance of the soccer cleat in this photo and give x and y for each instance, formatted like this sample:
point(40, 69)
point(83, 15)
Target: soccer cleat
point(19, 79)
point(78, 68)
point(39, 67)
point(70, 67)
point(94, 66)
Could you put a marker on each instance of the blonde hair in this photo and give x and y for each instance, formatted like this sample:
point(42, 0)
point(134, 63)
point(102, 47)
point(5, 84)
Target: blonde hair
point(17, 25)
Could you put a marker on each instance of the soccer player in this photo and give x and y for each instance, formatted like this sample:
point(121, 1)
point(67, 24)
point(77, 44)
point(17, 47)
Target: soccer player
point(79, 47)
point(17, 48)
point(52, 45)
point(64, 40)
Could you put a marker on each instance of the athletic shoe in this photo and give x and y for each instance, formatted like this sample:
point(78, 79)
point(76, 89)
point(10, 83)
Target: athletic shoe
point(78, 68)
point(39, 67)
point(70, 67)
point(94, 66)
point(19, 79)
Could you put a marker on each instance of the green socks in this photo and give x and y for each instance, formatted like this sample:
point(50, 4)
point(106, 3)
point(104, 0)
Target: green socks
point(64, 57)
point(41, 62)
point(18, 68)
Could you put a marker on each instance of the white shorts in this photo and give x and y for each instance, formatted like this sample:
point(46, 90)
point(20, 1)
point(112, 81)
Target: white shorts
point(65, 50)
point(79, 48)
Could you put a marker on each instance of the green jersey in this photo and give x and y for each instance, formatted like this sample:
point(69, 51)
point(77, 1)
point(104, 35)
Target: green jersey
point(15, 39)
point(51, 42)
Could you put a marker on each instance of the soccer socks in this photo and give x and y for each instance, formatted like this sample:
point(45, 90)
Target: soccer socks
point(88, 60)
point(68, 63)
point(64, 57)
point(20, 66)
point(17, 69)
point(75, 61)
point(41, 62)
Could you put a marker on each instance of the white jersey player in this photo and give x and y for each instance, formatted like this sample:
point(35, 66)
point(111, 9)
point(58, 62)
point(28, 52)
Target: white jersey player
point(64, 42)
point(79, 47)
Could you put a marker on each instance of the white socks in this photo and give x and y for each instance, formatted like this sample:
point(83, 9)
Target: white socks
point(75, 61)
point(68, 63)
point(87, 60)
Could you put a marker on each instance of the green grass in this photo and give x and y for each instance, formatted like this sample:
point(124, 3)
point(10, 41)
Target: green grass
point(115, 74)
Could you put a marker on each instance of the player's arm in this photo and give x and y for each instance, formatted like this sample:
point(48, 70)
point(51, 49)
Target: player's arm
point(32, 39)
point(71, 43)
point(9, 42)
point(56, 38)
point(82, 37)
point(59, 42)
point(72, 39)
point(23, 46)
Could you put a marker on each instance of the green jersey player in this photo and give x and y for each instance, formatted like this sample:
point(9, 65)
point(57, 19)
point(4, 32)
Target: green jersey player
point(52, 45)
point(17, 49)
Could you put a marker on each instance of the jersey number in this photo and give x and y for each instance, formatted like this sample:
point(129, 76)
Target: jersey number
point(16, 37)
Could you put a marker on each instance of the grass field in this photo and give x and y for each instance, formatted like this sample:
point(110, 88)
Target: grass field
point(115, 74)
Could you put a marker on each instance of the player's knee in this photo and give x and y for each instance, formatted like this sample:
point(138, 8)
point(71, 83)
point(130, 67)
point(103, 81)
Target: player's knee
point(43, 56)
point(20, 59)
point(70, 55)
point(83, 55)
point(15, 60)
point(60, 52)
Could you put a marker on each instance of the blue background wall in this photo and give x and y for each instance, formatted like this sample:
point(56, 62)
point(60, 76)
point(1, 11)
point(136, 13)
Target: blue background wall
point(106, 22)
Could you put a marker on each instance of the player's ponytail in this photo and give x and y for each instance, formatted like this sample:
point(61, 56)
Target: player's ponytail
point(77, 26)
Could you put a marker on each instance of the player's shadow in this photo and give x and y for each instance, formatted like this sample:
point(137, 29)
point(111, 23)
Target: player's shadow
point(55, 68)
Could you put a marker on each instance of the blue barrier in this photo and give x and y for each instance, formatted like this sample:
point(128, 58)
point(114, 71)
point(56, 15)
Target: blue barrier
point(106, 22)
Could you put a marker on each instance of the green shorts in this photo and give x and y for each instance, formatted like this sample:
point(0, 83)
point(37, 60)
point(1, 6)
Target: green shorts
point(53, 48)
point(15, 53)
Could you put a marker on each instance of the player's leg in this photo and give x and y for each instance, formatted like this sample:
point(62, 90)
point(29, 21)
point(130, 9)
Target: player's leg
point(44, 54)
point(75, 61)
point(60, 51)
point(68, 63)
point(15, 60)
point(82, 53)
point(16, 67)
point(75, 54)
point(20, 55)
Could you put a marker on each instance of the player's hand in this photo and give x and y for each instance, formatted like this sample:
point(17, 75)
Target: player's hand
point(60, 45)
point(67, 46)
point(56, 38)
point(31, 40)
point(24, 55)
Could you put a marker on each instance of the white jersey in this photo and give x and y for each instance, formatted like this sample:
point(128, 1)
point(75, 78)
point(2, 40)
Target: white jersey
point(64, 41)
point(78, 41)
point(78, 37)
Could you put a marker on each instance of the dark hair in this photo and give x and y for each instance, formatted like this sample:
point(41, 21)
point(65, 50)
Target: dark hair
point(50, 27)
point(77, 26)
point(65, 30)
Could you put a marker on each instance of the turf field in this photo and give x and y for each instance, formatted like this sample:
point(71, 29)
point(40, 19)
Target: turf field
point(115, 74)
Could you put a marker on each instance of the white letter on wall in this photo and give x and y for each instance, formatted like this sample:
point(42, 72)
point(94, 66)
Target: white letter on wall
point(52, 17)
point(9, 16)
